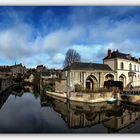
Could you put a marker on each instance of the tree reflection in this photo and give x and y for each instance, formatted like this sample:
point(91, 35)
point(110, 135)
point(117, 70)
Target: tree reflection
point(3, 97)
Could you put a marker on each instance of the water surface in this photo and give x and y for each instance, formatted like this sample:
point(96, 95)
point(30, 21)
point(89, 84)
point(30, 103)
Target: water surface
point(29, 112)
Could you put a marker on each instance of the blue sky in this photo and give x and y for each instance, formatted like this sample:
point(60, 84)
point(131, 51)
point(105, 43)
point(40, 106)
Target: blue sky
point(42, 35)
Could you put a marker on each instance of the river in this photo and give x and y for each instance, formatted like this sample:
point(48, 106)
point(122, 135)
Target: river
point(26, 111)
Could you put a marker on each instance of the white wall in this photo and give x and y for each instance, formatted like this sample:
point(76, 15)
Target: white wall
point(125, 70)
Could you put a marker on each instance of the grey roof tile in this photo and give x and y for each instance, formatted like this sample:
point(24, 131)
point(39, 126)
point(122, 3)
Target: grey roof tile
point(117, 54)
point(88, 66)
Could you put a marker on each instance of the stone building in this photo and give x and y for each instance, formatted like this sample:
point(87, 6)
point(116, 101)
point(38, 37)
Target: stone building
point(126, 67)
point(89, 76)
point(18, 69)
point(53, 77)
point(41, 68)
point(116, 66)
point(51, 74)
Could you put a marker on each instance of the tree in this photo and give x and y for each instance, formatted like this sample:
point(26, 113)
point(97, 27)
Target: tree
point(71, 57)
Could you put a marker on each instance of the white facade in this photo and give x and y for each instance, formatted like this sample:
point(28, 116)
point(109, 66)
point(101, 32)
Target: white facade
point(88, 79)
point(91, 76)
point(123, 67)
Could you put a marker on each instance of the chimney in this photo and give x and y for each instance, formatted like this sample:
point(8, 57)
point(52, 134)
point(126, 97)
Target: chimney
point(109, 52)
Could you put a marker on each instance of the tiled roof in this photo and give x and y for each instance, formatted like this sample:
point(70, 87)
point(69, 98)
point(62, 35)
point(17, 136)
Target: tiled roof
point(40, 66)
point(51, 72)
point(16, 65)
point(117, 54)
point(88, 66)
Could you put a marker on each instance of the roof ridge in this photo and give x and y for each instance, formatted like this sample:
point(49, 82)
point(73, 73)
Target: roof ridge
point(88, 66)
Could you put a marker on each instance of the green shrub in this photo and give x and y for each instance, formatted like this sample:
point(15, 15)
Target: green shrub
point(47, 87)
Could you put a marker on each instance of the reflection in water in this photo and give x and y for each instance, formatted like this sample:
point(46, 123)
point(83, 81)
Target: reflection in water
point(23, 110)
point(114, 117)
point(3, 97)
point(80, 115)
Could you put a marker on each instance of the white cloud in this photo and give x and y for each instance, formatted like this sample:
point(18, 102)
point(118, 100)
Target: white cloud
point(88, 33)
point(61, 39)
point(58, 58)
point(89, 53)
point(16, 42)
point(115, 31)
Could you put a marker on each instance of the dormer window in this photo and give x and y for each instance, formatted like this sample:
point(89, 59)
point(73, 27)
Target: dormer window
point(122, 65)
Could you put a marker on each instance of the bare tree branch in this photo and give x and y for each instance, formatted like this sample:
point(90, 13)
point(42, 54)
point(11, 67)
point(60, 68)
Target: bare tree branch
point(71, 57)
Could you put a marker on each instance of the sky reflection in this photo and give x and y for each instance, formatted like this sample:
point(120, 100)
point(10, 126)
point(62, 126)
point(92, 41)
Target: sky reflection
point(26, 114)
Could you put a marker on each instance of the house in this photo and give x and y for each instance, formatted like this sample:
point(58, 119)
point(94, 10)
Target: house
point(51, 77)
point(51, 73)
point(41, 68)
point(126, 67)
point(18, 69)
point(89, 76)
point(117, 66)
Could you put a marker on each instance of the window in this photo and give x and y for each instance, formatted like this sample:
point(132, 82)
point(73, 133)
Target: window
point(80, 77)
point(135, 67)
point(122, 65)
point(130, 66)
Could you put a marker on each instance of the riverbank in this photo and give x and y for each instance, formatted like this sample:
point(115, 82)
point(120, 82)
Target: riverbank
point(82, 97)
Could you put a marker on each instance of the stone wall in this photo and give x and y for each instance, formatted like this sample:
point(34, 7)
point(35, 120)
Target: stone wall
point(60, 86)
point(80, 76)
point(88, 96)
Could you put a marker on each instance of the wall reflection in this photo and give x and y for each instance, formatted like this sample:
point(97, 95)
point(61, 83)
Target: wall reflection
point(114, 117)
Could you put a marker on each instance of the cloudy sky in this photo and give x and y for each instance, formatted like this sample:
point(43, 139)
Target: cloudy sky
point(42, 35)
